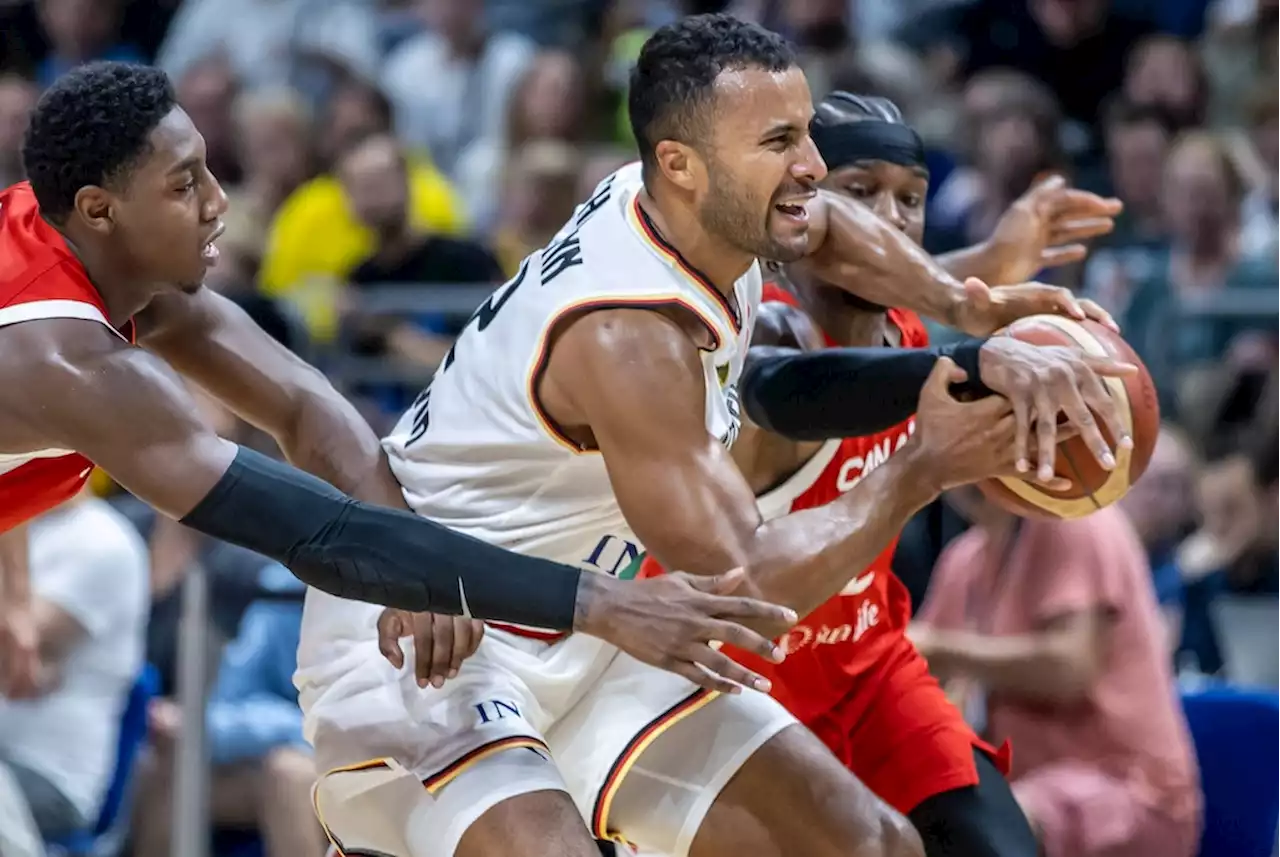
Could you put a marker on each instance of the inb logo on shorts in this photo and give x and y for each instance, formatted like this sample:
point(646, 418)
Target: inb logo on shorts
point(492, 710)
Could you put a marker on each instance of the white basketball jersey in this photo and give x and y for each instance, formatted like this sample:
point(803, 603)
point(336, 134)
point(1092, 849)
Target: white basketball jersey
point(477, 453)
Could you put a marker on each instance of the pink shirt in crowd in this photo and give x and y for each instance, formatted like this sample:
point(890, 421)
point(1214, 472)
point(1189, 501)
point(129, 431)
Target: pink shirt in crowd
point(1130, 729)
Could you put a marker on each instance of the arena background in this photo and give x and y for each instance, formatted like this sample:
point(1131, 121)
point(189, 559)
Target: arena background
point(507, 113)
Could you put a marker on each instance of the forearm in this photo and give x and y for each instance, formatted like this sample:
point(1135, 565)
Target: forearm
point(1029, 666)
point(384, 556)
point(864, 254)
point(328, 437)
point(803, 559)
point(844, 392)
point(976, 261)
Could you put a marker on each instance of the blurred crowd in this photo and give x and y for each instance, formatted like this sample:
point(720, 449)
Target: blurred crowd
point(387, 158)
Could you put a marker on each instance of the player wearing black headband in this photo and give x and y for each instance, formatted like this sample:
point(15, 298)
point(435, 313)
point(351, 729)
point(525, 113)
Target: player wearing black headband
point(851, 674)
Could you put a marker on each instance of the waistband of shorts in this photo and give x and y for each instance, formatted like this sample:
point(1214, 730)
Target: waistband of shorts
point(540, 634)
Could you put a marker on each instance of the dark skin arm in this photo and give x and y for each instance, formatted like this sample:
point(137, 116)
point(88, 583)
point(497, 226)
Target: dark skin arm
point(852, 247)
point(678, 487)
point(84, 389)
point(211, 341)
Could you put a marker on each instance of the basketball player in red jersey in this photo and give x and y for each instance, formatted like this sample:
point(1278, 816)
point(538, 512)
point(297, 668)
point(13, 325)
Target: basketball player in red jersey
point(104, 250)
point(850, 673)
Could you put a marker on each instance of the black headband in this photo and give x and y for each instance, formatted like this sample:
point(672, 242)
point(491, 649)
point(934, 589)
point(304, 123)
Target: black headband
point(869, 140)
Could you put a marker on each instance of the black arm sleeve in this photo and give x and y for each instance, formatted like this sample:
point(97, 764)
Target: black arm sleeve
point(845, 392)
point(383, 556)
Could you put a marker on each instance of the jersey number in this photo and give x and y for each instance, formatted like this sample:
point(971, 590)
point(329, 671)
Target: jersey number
point(480, 319)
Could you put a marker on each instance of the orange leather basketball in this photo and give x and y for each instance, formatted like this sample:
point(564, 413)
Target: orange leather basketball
point(1092, 487)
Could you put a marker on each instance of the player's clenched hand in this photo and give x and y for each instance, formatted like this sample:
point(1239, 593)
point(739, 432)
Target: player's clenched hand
point(956, 442)
point(676, 622)
point(440, 643)
point(988, 309)
point(1041, 382)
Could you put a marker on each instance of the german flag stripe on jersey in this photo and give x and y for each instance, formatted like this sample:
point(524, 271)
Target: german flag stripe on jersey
point(634, 749)
point(439, 780)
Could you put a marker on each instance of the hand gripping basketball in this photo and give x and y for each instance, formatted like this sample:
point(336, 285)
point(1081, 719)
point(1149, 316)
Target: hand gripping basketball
point(956, 442)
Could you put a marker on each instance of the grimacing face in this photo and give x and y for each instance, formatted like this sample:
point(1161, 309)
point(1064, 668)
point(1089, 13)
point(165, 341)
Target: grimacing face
point(894, 192)
point(168, 213)
point(762, 167)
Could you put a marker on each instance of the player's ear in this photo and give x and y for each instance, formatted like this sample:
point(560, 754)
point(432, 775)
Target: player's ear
point(93, 205)
point(680, 164)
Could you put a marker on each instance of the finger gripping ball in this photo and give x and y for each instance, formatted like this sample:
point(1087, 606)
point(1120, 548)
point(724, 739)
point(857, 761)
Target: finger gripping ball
point(1092, 487)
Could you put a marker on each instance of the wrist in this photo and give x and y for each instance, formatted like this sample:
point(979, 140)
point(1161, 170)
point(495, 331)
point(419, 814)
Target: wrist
point(918, 477)
point(592, 595)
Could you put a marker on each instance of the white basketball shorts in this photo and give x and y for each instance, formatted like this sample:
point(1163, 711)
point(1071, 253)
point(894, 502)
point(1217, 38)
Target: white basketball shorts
point(409, 770)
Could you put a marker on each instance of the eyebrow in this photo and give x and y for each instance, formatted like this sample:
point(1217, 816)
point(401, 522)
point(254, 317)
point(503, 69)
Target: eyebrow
point(866, 163)
point(782, 128)
point(188, 163)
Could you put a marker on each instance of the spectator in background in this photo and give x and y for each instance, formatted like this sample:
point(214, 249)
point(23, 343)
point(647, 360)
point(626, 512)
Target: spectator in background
point(207, 89)
point(1235, 407)
point(1202, 195)
point(1161, 507)
point(539, 197)
point(268, 41)
point(374, 176)
point(1261, 213)
point(1239, 52)
point(262, 767)
point(452, 86)
point(272, 129)
point(80, 31)
point(1076, 47)
point(17, 98)
point(1165, 72)
point(1054, 625)
point(549, 103)
point(89, 580)
point(1014, 126)
point(315, 240)
point(1137, 140)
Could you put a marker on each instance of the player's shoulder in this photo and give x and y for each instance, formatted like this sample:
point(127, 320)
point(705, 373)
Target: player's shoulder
point(35, 262)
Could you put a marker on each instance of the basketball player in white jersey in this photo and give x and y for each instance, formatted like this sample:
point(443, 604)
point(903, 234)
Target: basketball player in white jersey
point(583, 413)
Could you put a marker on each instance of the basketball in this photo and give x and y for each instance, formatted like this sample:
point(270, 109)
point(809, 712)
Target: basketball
point(1092, 487)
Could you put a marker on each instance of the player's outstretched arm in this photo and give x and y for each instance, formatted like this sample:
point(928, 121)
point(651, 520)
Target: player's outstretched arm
point(1046, 227)
point(213, 342)
point(82, 388)
point(853, 248)
point(690, 505)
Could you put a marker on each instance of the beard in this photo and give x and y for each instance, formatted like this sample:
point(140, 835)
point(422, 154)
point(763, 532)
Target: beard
point(735, 219)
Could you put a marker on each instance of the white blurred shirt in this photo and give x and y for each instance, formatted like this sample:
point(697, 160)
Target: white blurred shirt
point(88, 560)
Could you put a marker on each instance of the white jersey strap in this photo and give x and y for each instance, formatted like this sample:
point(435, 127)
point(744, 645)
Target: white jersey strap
point(35, 310)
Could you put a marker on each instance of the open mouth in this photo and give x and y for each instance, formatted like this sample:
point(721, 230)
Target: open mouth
point(209, 252)
point(796, 211)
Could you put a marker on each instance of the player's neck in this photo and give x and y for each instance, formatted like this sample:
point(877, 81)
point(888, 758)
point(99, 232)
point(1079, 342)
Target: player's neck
point(848, 326)
point(719, 263)
point(120, 291)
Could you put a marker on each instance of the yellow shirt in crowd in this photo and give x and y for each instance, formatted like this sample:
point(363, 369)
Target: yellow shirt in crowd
point(315, 240)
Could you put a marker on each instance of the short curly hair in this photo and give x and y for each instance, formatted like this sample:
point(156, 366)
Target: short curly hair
point(90, 128)
point(673, 81)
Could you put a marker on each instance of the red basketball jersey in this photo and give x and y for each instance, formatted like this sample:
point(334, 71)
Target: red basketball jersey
point(39, 278)
point(848, 634)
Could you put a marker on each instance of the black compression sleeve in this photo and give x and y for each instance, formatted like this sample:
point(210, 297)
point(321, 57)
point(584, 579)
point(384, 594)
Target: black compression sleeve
point(384, 556)
point(845, 392)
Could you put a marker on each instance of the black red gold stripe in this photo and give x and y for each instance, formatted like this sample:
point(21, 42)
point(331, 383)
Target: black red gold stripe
point(587, 305)
point(650, 232)
point(635, 747)
point(370, 765)
point(439, 780)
